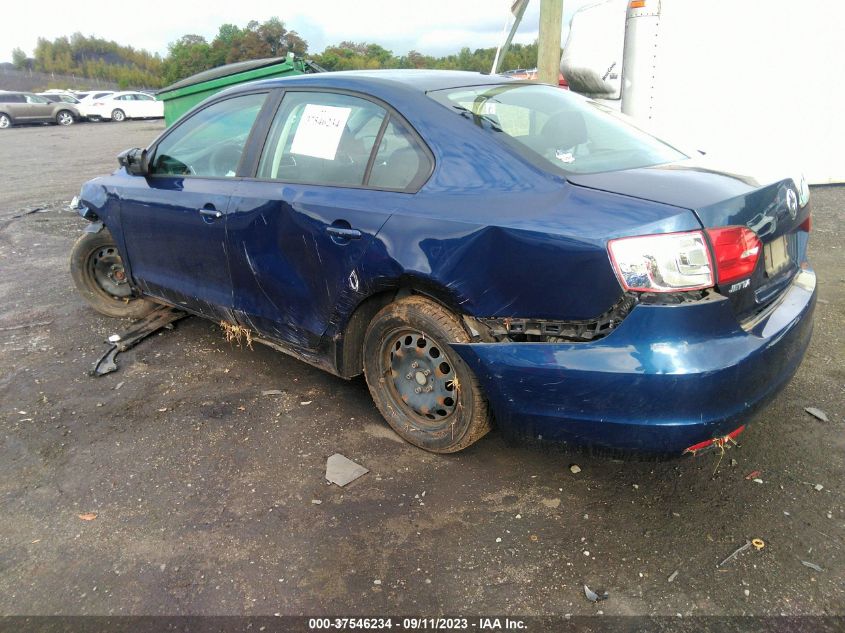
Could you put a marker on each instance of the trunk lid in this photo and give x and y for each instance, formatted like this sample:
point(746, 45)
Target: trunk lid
point(775, 210)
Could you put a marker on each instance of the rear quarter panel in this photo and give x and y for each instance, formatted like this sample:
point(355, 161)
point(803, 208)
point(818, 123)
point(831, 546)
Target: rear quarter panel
point(495, 236)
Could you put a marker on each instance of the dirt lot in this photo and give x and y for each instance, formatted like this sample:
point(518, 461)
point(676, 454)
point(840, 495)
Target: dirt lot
point(210, 497)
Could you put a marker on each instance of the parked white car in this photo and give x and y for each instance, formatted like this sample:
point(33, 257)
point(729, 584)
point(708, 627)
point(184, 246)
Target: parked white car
point(120, 106)
point(87, 99)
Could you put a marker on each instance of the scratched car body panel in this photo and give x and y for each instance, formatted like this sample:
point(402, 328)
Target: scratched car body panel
point(448, 188)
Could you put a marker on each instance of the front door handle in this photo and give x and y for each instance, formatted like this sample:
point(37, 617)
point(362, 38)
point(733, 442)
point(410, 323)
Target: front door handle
point(344, 233)
point(211, 213)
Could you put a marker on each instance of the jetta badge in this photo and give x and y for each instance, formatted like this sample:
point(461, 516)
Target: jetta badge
point(791, 202)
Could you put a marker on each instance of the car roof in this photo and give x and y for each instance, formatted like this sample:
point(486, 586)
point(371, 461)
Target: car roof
point(416, 80)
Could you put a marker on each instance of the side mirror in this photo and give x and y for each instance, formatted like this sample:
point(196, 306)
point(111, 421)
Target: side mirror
point(134, 161)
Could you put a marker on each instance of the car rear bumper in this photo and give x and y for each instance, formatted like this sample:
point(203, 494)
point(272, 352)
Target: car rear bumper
point(667, 378)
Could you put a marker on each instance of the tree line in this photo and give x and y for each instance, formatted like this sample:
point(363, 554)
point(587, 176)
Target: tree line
point(106, 60)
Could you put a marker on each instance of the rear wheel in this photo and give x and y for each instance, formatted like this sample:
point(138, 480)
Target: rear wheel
point(99, 276)
point(5, 121)
point(64, 118)
point(424, 390)
point(118, 115)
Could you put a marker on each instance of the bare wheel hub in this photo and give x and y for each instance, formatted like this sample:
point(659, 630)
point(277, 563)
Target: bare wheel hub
point(422, 375)
point(106, 268)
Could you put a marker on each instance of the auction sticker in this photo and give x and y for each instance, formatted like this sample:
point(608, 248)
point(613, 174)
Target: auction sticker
point(319, 131)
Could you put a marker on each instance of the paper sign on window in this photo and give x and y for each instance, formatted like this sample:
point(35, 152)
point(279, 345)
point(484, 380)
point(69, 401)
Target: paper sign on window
point(319, 131)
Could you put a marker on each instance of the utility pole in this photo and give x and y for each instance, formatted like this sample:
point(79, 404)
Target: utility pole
point(548, 50)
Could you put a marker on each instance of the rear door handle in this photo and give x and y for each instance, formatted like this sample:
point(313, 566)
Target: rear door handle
point(347, 234)
point(211, 213)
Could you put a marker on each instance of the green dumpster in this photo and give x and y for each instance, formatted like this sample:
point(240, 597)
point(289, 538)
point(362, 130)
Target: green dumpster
point(180, 97)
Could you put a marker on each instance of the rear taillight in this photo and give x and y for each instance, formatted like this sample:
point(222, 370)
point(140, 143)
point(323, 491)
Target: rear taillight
point(736, 250)
point(807, 225)
point(669, 262)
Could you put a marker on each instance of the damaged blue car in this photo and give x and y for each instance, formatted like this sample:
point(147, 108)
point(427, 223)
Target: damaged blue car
point(482, 249)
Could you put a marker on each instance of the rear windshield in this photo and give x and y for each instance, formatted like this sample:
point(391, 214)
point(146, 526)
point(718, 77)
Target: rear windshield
point(557, 128)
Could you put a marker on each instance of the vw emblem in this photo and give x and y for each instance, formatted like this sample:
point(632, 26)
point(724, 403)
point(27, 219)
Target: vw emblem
point(791, 202)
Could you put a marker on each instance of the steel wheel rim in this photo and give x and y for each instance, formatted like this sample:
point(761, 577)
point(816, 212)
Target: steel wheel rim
point(4, 121)
point(105, 267)
point(117, 115)
point(65, 119)
point(420, 378)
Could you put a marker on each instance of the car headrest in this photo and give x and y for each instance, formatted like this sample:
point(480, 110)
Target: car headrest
point(564, 130)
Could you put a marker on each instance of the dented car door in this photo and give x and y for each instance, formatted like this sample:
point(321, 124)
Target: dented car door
point(297, 230)
point(174, 220)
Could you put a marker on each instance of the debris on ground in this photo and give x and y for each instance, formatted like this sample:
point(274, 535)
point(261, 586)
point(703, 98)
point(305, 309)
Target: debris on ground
point(758, 543)
point(137, 332)
point(812, 566)
point(273, 392)
point(818, 487)
point(757, 480)
point(672, 576)
point(817, 413)
point(88, 516)
point(341, 470)
point(594, 596)
point(26, 212)
point(754, 474)
point(735, 553)
point(236, 333)
point(316, 502)
point(575, 469)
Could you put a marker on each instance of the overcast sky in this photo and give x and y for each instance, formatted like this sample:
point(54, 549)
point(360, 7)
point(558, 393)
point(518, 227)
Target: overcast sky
point(433, 27)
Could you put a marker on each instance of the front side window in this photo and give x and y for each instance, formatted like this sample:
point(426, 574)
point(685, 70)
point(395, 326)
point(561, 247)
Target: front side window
point(321, 138)
point(211, 142)
point(559, 129)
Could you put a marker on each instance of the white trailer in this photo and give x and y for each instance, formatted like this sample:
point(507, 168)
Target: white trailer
point(759, 84)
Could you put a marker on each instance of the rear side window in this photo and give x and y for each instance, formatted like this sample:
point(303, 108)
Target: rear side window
point(400, 162)
point(321, 138)
point(11, 98)
point(210, 143)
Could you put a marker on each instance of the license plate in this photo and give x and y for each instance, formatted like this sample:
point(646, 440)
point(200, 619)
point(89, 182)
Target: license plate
point(776, 256)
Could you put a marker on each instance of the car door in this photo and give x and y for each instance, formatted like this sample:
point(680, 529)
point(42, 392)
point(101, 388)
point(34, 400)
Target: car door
point(297, 230)
point(144, 105)
point(134, 107)
point(174, 220)
point(128, 104)
point(37, 109)
point(14, 104)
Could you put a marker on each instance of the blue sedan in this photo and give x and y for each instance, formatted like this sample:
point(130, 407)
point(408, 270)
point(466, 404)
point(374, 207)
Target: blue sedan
point(481, 248)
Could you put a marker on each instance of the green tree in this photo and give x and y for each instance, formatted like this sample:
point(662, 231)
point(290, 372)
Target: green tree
point(188, 55)
point(19, 59)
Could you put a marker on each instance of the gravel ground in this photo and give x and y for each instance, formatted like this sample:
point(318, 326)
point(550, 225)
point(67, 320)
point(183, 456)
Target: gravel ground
point(210, 498)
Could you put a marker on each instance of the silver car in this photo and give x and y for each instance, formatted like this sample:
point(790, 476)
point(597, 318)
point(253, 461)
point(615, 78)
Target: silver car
point(25, 107)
